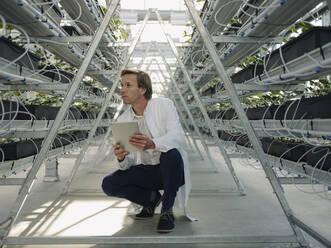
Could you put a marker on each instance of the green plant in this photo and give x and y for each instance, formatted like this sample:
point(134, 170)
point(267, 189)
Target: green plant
point(117, 27)
point(318, 87)
point(296, 29)
point(269, 98)
point(250, 60)
point(8, 27)
point(87, 106)
point(46, 99)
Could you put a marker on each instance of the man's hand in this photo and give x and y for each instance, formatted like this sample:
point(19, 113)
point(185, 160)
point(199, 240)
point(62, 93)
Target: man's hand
point(119, 152)
point(141, 141)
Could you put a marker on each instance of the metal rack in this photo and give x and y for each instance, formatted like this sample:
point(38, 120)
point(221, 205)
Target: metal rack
point(224, 51)
point(35, 22)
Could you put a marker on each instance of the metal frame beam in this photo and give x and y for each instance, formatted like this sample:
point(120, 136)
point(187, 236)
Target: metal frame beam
point(238, 39)
point(202, 108)
point(31, 177)
point(242, 115)
point(108, 98)
point(131, 240)
point(196, 129)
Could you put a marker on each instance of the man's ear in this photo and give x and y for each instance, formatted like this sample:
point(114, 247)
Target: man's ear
point(142, 90)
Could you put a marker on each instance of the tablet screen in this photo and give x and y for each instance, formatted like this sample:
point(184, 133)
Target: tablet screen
point(122, 131)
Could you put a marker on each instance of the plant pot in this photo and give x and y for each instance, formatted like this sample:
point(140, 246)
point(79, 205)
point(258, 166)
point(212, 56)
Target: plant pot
point(213, 114)
point(46, 112)
point(25, 112)
point(278, 111)
point(311, 39)
point(74, 114)
point(228, 114)
point(306, 108)
point(108, 115)
point(22, 149)
point(56, 74)
point(10, 110)
point(243, 140)
point(210, 91)
point(70, 30)
point(227, 136)
point(89, 114)
point(314, 157)
point(97, 91)
point(100, 131)
point(310, 108)
point(287, 150)
point(259, 113)
point(249, 72)
point(10, 51)
point(79, 135)
point(62, 140)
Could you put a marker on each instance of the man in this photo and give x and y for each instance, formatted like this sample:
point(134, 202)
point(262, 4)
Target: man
point(160, 163)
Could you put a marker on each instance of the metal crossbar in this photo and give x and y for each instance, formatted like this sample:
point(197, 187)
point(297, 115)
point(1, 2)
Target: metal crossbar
point(202, 109)
point(296, 224)
point(31, 177)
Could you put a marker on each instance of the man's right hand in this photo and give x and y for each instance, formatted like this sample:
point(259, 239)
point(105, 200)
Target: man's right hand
point(119, 152)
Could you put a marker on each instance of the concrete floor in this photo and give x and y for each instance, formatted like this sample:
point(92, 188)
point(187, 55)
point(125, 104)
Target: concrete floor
point(258, 213)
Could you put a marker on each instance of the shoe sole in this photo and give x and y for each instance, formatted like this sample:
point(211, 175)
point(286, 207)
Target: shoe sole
point(146, 218)
point(164, 231)
point(143, 218)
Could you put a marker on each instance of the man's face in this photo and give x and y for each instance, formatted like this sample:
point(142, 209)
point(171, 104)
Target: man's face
point(130, 91)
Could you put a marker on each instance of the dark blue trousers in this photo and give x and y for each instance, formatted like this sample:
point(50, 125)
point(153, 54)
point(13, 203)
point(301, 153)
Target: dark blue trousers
point(137, 183)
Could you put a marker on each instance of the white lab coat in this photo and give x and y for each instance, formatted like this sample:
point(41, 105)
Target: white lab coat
point(163, 123)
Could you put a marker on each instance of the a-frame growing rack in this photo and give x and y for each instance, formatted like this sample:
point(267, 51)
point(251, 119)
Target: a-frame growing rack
point(216, 64)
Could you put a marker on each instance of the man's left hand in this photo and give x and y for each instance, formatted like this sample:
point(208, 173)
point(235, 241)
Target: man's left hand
point(141, 141)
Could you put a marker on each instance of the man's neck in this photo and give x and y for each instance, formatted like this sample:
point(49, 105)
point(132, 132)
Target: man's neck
point(140, 107)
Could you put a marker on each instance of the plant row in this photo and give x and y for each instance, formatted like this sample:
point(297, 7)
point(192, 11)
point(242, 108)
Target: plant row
point(10, 110)
point(26, 148)
point(316, 156)
point(303, 108)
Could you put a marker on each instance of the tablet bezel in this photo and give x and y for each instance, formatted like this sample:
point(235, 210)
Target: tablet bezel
point(121, 131)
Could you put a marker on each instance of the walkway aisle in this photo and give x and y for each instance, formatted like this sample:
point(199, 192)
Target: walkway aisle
point(47, 213)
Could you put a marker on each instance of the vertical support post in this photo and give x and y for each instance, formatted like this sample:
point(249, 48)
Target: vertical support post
point(202, 108)
point(186, 127)
point(51, 170)
point(106, 103)
point(242, 115)
point(26, 187)
point(329, 19)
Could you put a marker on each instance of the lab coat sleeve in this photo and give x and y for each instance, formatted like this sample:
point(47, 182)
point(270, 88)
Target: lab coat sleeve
point(126, 163)
point(174, 134)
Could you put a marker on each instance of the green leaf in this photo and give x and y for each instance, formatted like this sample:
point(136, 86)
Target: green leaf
point(293, 29)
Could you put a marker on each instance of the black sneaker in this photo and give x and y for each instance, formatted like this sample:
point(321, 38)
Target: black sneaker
point(166, 222)
point(148, 212)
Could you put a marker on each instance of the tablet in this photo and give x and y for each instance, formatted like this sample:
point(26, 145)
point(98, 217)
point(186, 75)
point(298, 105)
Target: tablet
point(122, 131)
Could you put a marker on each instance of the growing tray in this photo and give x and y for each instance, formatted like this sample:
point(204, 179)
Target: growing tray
point(26, 148)
point(249, 72)
point(305, 108)
point(309, 40)
point(11, 51)
point(293, 151)
point(56, 74)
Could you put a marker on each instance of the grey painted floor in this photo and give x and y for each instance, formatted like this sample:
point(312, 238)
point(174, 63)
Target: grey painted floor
point(258, 213)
